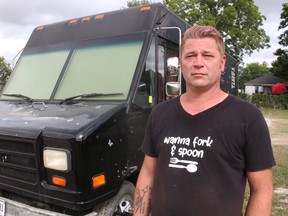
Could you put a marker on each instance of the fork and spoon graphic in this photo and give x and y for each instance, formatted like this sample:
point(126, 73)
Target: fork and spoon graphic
point(191, 167)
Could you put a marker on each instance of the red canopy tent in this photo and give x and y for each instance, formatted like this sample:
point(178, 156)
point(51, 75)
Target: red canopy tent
point(278, 88)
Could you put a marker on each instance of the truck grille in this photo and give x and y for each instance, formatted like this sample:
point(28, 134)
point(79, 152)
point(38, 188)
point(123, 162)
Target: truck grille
point(17, 161)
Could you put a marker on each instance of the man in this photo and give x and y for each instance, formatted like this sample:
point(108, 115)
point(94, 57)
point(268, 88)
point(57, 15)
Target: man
point(202, 146)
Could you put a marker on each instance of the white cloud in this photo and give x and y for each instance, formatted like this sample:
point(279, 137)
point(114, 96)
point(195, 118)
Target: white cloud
point(18, 18)
point(272, 12)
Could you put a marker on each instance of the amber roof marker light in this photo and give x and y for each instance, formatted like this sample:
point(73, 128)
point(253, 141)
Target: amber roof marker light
point(146, 8)
point(99, 17)
point(40, 28)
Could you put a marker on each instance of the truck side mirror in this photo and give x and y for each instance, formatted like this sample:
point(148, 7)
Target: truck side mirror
point(173, 89)
point(173, 66)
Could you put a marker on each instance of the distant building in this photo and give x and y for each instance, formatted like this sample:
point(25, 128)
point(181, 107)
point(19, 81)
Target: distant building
point(262, 84)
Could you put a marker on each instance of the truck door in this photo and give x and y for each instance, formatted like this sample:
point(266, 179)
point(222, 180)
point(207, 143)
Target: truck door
point(151, 91)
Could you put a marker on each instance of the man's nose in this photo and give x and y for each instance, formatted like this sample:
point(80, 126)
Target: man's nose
point(198, 60)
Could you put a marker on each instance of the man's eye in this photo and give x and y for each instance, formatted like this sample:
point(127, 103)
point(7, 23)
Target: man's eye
point(190, 56)
point(208, 55)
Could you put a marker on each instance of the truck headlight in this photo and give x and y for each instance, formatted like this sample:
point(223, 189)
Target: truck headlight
point(57, 159)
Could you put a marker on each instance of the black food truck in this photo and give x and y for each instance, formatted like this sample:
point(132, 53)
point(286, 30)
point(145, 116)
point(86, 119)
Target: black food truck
point(73, 113)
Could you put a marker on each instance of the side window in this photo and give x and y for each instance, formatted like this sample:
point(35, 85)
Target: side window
point(146, 95)
point(164, 53)
point(151, 89)
point(170, 53)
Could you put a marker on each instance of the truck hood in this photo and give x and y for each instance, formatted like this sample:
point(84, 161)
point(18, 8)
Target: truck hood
point(53, 120)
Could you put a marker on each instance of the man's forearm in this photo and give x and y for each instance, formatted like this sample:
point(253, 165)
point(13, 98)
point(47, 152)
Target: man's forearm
point(142, 200)
point(143, 191)
point(259, 204)
point(261, 193)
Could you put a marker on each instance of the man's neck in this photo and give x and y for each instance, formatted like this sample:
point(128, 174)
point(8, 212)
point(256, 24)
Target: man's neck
point(195, 102)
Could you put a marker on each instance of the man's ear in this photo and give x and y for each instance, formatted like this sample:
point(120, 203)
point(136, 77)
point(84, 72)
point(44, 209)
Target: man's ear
point(223, 62)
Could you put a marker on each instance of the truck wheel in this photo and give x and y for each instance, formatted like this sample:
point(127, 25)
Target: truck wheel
point(120, 205)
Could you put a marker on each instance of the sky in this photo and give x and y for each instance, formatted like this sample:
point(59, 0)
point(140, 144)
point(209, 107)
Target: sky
point(18, 18)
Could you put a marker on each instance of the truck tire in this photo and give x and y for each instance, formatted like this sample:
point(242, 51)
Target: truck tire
point(120, 205)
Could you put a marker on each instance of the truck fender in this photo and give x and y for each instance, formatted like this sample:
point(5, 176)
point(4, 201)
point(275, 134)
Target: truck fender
point(120, 205)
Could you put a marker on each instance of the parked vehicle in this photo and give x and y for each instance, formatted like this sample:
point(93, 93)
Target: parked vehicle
point(73, 113)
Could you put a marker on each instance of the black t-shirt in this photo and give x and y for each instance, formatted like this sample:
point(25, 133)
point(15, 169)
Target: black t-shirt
point(203, 158)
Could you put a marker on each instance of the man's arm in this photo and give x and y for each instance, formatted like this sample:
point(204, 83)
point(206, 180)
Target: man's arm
point(143, 191)
point(261, 193)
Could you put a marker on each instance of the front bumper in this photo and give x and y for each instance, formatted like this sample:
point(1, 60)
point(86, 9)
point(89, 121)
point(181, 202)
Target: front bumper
point(13, 208)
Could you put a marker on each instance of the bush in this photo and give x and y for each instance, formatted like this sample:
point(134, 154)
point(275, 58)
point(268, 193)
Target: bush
point(270, 101)
point(244, 96)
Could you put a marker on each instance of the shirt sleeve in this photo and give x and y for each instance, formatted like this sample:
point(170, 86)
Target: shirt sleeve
point(258, 149)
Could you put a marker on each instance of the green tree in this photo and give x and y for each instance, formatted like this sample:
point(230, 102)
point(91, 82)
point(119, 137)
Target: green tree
point(252, 71)
point(239, 21)
point(284, 24)
point(5, 72)
point(280, 65)
point(134, 3)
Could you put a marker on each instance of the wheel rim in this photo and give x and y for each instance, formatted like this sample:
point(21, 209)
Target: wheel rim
point(124, 208)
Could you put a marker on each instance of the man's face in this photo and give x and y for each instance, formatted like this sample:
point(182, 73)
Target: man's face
point(202, 63)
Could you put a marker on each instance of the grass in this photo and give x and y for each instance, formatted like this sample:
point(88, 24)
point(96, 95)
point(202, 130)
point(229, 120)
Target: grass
point(277, 121)
point(280, 171)
point(275, 113)
point(280, 180)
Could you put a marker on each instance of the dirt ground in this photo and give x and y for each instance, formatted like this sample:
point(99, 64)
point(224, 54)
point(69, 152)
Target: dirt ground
point(278, 130)
point(278, 127)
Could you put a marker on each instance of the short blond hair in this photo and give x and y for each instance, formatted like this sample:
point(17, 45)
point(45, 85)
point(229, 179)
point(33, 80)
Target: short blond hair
point(204, 32)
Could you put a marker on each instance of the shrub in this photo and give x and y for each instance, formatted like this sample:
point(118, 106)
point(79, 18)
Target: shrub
point(270, 101)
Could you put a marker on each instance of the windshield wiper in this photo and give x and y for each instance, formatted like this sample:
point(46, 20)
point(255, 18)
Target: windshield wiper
point(19, 96)
point(81, 96)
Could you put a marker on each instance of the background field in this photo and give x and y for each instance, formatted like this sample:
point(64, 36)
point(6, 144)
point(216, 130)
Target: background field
point(277, 121)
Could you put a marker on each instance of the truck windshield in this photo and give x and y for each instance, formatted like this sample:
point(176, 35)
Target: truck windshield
point(104, 66)
point(37, 72)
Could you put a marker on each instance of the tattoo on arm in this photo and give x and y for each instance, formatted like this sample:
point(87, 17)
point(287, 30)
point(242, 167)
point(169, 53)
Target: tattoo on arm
point(143, 207)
